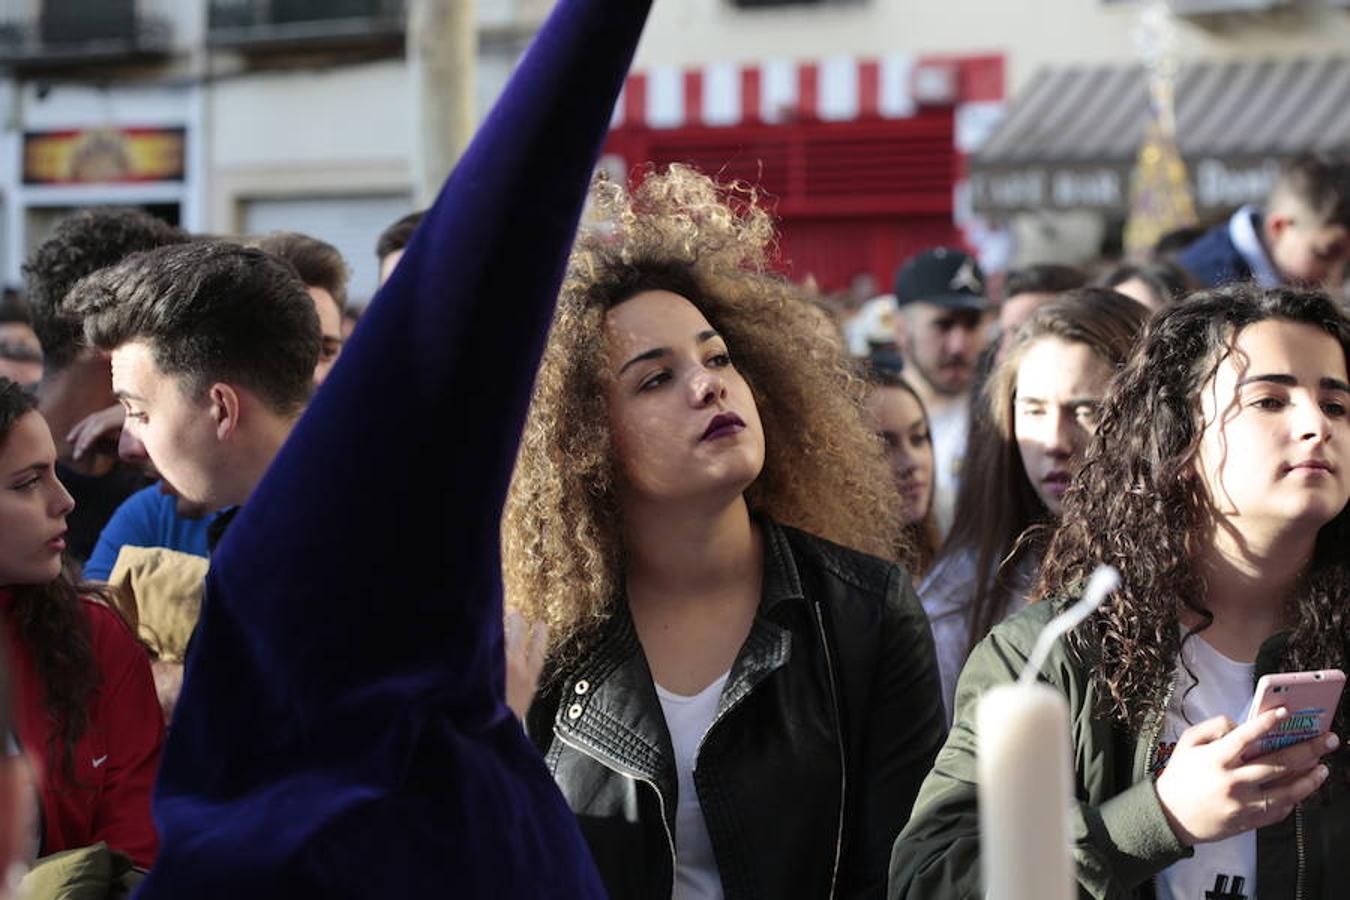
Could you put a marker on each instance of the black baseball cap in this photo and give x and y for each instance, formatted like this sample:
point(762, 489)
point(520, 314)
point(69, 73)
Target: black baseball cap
point(944, 276)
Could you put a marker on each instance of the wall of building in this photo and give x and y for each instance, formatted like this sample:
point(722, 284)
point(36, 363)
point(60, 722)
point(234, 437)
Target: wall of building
point(1030, 33)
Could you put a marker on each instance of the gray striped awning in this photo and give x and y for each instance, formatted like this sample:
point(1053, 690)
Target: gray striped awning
point(1070, 138)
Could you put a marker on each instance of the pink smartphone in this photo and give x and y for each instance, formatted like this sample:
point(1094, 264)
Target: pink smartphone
point(1310, 697)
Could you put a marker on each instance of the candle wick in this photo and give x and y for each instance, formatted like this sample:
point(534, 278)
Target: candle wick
point(1104, 580)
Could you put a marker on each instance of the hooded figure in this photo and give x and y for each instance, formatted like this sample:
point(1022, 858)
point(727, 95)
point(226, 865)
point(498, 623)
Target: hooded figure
point(342, 729)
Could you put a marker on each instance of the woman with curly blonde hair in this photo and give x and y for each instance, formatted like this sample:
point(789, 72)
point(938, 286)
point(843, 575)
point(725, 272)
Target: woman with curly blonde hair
point(691, 514)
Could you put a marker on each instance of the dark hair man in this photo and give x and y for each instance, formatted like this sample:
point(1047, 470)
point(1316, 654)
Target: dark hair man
point(1027, 289)
point(213, 349)
point(1302, 235)
point(389, 248)
point(75, 379)
point(323, 270)
point(942, 329)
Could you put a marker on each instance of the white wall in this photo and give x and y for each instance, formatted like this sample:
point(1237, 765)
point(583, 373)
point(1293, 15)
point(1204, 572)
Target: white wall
point(1031, 33)
point(301, 117)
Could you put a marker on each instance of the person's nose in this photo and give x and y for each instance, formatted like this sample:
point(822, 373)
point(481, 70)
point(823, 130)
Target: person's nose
point(1061, 433)
point(958, 341)
point(903, 462)
point(706, 387)
point(62, 502)
point(1311, 422)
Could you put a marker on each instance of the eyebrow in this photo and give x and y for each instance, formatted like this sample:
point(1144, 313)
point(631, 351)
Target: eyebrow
point(1072, 401)
point(657, 352)
point(36, 469)
point(1326, 384)
point(127, 395)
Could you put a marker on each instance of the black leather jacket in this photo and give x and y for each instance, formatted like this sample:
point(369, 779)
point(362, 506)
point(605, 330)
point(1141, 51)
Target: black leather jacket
point(827, 725)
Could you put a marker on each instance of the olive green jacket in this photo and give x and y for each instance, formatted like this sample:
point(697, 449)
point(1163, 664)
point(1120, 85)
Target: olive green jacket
point(1121, 837)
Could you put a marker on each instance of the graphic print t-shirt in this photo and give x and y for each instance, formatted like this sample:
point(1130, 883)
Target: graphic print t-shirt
point(1215, 685)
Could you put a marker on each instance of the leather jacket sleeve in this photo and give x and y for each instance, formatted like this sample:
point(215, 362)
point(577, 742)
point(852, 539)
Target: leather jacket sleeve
point(908, 728)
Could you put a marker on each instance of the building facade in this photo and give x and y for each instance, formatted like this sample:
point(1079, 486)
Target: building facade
point(870, 123)
point(225, 116)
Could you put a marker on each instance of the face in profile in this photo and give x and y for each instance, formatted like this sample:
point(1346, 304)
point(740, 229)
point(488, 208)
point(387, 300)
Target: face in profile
point(387, 264)
point(330, 327)
point(176, 432)
point(33, 504)
point(899, 418)
point(683, 420)
point(1273, 452)
point(1058, 394)
point(1309, 253)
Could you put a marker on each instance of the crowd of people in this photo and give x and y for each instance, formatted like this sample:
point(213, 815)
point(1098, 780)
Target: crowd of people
point(755, 584)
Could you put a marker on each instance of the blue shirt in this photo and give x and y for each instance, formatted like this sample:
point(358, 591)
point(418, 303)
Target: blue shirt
point(148, 518)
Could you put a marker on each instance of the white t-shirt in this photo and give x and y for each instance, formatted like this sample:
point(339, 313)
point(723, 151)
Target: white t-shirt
point(1222, 686)
point(950, 428)
point(687, 720)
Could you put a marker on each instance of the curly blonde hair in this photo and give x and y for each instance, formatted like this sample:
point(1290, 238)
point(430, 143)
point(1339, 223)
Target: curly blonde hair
point(824, 471)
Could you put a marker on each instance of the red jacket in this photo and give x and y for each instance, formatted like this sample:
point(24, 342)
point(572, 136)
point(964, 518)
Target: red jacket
point(116, 760)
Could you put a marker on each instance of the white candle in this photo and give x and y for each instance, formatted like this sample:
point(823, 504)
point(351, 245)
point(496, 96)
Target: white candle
point(1025, 791)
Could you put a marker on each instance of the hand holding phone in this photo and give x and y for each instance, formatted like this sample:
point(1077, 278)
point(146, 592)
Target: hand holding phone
point(1311, 699)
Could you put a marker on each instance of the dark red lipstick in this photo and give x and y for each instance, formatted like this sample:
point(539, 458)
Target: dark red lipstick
point(723, 425)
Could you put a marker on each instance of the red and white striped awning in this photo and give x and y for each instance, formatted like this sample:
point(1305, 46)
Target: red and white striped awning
point(837, 89)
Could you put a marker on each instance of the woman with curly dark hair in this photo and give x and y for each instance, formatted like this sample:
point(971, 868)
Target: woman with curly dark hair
point(740, 701)
point(1217, 484)
point(84, 699)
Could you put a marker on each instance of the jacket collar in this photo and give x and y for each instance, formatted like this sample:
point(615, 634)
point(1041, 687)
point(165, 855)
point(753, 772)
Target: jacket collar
point(781, 580)
point(1244, 232)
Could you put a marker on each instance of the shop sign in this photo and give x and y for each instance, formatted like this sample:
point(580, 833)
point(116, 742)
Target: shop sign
point(1218, 183)
point(104, 156)
point(1224, 184)
point(1044, 187)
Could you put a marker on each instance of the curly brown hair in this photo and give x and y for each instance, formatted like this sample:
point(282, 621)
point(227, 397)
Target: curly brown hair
point(1138, 505)
point(824, 470)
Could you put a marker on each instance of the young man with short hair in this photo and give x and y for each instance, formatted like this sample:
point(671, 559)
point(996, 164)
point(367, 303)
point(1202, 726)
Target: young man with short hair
point(1301, 236)
point(213, 347)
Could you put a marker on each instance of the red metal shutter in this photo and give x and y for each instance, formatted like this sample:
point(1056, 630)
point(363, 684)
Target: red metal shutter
point(851, 196)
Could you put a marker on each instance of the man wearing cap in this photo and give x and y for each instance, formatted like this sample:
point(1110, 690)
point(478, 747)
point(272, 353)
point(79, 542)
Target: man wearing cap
point(941, 330)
